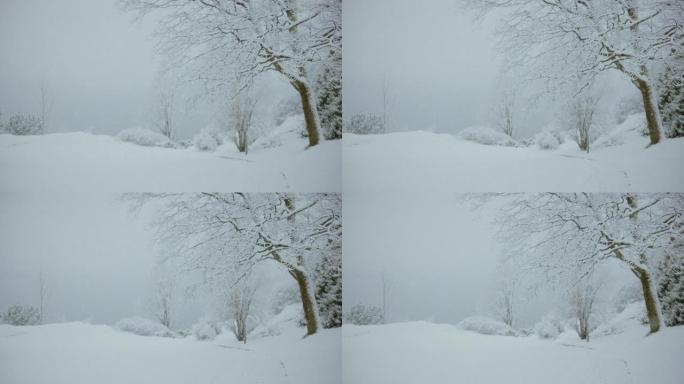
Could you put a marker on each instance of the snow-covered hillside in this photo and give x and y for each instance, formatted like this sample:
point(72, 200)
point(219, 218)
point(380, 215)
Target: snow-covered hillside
point(421, 352)
point(422, 161)
point(73, 353)
point(87, 162)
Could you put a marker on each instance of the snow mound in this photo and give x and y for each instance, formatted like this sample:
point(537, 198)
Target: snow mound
point(486, 326)
point(207, 140)
point(289, 317)
point(634, 315)
point(290, 130)
point(487, 136)
point(143, 327)
point(634, 126)
point(144, 137)
point(546, 140)
point(206, 328)
point(548, 328)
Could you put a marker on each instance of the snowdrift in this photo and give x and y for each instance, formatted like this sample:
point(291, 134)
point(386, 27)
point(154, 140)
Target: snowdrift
point(421, 352)
point(423, 161)
point(72, 353)
point(98, 163)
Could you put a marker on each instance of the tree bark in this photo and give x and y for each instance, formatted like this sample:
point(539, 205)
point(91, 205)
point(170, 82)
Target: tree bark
point(308, 301)
point(651, 108)
point(650, 299)
point(310, 111)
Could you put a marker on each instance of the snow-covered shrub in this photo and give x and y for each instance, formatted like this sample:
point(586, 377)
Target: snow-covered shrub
point(486, 326)
point(487, 136)
point(364, 315)
point(548, 328)
point(206, 328)
point(144, 137)
point(207, 139)
point(143, 327)
point(24, 125)
point(20, 315)
point(546, 140)
point(364, 124)
point(527, 142)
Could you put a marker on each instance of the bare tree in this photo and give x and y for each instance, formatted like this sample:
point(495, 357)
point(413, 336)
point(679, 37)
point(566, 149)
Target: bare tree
point(504, 300)
point(564, 40)
point(239, 306)
point(43, 292)
point(388, 100)
point(164, 119)
point(584, 107)
point(582, 304)
point(568, 235)
point(504, 113)
point(161, 304)
point(241, 112)
point(387, 290)
point(45, 106)
point(230, 43)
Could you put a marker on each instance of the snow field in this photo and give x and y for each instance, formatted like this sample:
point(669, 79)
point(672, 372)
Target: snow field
point(83, 353)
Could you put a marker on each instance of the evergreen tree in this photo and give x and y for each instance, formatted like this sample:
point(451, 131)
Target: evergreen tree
point(329, 92)
point(671, 100)
point(671, 287)
point(329, 290)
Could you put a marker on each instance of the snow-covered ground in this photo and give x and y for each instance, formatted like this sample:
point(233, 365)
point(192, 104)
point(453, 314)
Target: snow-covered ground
point(422, 352)
point(86, 162)
point(423, 161)
point(72, 353)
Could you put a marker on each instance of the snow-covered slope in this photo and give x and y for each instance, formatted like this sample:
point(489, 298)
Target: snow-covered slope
point(86, 162)
point(73, 353)
point(421, 352)
point(422, 161)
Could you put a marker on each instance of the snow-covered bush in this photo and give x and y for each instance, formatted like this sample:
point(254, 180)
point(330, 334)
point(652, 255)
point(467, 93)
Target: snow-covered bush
point(546, 140)
point(364, 124)
point(364, 315)
point(486, 326)
point(24, 125)
point(206, 328)
point(144, 137)
point(207, 139)
point(143, 327)
point(20, 315)
point(487, 136)
point(548, 328)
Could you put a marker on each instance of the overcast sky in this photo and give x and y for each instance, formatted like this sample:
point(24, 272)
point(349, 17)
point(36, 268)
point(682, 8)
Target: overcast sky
point(97, 66)
point(436, 254)
point(440, 64)
point(95, 256)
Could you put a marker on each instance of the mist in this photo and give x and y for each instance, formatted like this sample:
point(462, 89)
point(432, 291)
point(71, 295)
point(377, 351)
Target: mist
point(438, 62)
point(437, 255)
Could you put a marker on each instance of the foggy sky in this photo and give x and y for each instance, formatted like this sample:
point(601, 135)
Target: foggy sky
point(439, 63)
point(95, 256)
point(97, 66)
point(436, 254)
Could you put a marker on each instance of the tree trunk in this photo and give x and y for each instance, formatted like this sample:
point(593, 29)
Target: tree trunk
point(651, 108)
point(308, 301)
point(310, 111)
point(652, 310)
